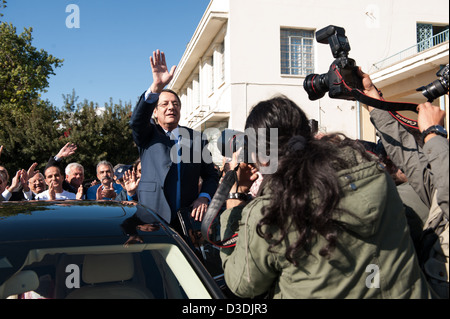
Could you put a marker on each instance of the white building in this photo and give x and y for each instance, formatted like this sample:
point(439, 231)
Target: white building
point(245, 51)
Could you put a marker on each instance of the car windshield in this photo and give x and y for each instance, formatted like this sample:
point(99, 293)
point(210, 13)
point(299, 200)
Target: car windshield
point(157, 270)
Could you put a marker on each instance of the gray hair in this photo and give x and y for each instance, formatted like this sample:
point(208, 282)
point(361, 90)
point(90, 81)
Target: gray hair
point(41, 175)
point(70, 166)
point(105, 163)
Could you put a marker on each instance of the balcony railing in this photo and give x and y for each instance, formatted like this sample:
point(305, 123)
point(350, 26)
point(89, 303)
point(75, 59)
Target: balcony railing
point(417, 48)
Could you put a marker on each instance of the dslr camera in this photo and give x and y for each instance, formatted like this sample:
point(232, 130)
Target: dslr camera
point(230, 141)
point(438, 87)
point(342, 76)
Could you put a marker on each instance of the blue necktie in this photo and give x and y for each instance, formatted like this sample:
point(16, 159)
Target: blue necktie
point(178, 190)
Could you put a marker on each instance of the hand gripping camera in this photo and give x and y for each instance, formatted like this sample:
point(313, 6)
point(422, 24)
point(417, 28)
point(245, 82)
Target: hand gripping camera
point(342, 76)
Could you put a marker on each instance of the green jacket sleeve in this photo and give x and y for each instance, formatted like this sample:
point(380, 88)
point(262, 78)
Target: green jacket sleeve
point(404, 151)
point(436, 150)
point(249, 268)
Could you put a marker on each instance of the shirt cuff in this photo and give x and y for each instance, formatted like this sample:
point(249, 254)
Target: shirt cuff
point(205, 195)
point(7, 195)
point(151, 97)
point(131, 198)
point(28, 195)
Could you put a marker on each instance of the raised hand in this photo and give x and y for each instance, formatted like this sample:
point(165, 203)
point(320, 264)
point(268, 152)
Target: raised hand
point(131, 182)
point(67, 150)
point(80, 192)
point(15, 182)
point(429, 115)
point(98, 194)
point(108, 191)
point(31, 171)
point(51, 191)
point(24, 180)
point(161, 74)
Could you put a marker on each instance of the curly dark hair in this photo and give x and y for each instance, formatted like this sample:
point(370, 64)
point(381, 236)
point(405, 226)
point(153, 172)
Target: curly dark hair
point(304, 190)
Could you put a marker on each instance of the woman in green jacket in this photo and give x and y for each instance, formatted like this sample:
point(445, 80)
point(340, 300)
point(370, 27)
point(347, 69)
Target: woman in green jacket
point(328, 223)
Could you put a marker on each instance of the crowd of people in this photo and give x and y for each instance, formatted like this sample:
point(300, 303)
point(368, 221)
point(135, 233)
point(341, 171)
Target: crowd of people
point(119, 182)
point(333, 209)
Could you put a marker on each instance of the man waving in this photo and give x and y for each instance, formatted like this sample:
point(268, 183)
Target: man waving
point(173, 158)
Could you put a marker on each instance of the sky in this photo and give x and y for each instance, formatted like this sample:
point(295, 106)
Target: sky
point(108, 55)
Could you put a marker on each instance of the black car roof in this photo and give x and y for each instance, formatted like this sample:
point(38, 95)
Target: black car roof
point(29, 225)
point(45, 220)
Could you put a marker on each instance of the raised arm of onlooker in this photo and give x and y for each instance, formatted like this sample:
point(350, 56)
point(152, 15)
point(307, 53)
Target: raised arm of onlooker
point(131, 182)
point(401, 146)
point(80, 192)
point(66, 151)
point(436, 150)
point(14, 187)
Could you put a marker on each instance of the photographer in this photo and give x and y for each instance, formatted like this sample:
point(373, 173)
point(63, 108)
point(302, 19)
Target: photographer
point(323, 220)
point(427, 170)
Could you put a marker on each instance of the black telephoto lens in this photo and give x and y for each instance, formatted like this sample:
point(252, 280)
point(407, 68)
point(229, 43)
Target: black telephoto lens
point(433, 90)
point(438, 87)
point(316, 85)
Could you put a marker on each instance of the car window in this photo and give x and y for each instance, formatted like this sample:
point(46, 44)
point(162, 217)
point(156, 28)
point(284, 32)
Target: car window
point(157, 271)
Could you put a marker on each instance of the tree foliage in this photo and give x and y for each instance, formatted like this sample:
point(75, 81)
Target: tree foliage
point(28, 138)
point(100, 133)
point(24, 70)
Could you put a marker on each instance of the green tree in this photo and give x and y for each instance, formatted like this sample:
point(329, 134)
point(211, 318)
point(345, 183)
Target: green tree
point(28, 125)
point(100, 133)
point(24, 70)
point(30, 137)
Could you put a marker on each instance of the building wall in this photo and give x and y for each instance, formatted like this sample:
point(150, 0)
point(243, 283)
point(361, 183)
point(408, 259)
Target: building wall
point(376, 29)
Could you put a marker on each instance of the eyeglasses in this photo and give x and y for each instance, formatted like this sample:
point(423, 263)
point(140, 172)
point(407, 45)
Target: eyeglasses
point(37, 181)
point(165, 104)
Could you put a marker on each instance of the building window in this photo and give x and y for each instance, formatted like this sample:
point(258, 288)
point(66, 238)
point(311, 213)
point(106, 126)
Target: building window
point(211, 64)
point(196, 90)
point(190, 104)
point(297, 51)
point(429, 35)
point(222, 60)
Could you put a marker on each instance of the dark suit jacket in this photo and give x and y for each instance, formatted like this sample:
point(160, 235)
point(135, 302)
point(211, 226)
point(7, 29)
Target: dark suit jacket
point(157, 187)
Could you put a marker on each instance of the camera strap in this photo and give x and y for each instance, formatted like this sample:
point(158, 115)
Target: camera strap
point(214, 208)
point(392, 107)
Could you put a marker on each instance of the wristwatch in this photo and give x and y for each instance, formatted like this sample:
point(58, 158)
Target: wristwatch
point(436, 129)
point(241, 196)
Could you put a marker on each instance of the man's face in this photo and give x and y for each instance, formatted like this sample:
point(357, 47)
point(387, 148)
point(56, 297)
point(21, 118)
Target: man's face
point(2, 184)
point(167, 111)
point(104, 174)
point(53, 176)
point(5, 173)
point(37, 183)
point(76, 177)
